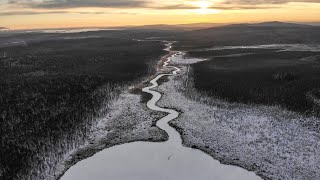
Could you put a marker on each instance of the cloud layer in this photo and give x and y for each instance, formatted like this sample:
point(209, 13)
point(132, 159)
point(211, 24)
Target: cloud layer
point(259, 2)
point(61, 6)
point(64, 4)
point(92, 3)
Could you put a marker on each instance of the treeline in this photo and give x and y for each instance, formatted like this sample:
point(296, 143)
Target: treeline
point(269, 78)
point(39, 116)
point(52, 92)
point(244, 34)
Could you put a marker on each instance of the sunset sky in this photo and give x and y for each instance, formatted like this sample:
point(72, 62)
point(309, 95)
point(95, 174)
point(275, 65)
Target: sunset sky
point(28, 14)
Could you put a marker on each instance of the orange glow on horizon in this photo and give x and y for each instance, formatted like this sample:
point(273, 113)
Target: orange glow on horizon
point(201, 12)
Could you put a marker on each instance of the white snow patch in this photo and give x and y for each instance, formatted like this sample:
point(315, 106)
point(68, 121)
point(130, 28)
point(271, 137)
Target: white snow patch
point(283, 47)
point(67, 31)
point(181, 59)
point(273, 142)
point(126, 112)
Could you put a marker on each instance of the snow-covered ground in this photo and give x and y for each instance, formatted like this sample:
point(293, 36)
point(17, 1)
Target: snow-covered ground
point(129, 120)
point(149, 160)
point(283, 47)
point(275, 143)
point(75, 30)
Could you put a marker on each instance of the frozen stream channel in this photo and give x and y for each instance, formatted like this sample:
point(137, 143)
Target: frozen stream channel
point(155, 161)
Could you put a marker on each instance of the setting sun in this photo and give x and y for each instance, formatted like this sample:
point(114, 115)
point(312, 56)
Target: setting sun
point(159, 89)
point(204, 7)
point(33, 14)
point(203, 4)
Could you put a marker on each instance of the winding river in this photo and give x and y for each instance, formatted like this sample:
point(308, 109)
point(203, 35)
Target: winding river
point(156, 161)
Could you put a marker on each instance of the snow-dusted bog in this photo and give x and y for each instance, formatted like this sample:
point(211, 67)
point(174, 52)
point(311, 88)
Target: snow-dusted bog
point(156, 161)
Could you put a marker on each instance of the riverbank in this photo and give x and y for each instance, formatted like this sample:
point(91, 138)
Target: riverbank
point(270, 141)
point(148, 160)
point(53, 92)
point(128, 121)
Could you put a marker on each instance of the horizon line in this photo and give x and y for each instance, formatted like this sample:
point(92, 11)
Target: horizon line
point(163, 24)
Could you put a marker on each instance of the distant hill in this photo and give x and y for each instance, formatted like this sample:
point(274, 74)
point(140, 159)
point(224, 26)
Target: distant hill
point(252, 34)
point(256, 26)
point(197, 26)
point(313, 23)
point(279, 24)
point(270, 24)
point(180, 27)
